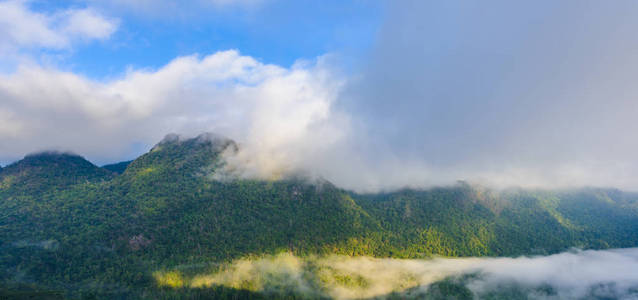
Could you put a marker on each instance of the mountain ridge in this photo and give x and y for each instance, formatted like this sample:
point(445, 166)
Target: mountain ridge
point(165, 210)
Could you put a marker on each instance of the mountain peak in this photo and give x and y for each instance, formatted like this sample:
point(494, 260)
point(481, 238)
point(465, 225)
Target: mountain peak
point(206, 137)
point(176, 152)
point(60, 168)
point(48, 159)
point(51, 156)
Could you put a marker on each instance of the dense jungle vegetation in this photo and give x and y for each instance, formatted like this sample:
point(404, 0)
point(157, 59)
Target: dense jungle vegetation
point(71, 229)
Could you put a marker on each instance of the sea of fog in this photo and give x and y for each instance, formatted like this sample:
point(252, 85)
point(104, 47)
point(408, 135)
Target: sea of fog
point(576, 274)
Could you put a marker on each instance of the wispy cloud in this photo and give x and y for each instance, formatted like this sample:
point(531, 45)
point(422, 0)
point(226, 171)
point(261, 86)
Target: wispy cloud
point(25, 28)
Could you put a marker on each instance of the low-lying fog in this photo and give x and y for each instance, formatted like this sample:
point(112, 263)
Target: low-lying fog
point(569, 275)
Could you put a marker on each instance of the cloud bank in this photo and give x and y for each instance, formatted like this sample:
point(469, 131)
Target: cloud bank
point(608, 274)
point(532, 94)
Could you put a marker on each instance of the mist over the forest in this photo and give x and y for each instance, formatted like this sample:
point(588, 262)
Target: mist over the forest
point(608, 274)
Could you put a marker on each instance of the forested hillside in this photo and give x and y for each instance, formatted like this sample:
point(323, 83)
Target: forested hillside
point(70, 228)
point(118, 168)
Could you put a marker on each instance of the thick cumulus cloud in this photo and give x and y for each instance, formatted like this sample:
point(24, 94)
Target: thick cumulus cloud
point(606, 274)
point(272, 111)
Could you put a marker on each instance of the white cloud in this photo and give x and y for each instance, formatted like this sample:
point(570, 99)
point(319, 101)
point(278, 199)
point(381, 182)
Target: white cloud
point(21, 27)
point(271, 110)
point(87, 24)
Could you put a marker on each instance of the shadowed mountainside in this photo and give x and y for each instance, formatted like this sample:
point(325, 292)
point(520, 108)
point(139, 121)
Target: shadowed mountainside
point(118, 168)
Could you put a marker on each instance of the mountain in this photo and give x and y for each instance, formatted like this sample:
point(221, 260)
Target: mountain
point(50, 170)
point(69, 226)
point(117, 168)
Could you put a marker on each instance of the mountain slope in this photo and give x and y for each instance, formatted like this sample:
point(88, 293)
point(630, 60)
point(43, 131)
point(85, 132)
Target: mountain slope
point(33, 191)
point(67, 223)
point(117, 168)
point(169, 190)
point(46, 170)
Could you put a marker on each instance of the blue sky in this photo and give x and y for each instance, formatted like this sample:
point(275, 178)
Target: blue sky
point(272, 31)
